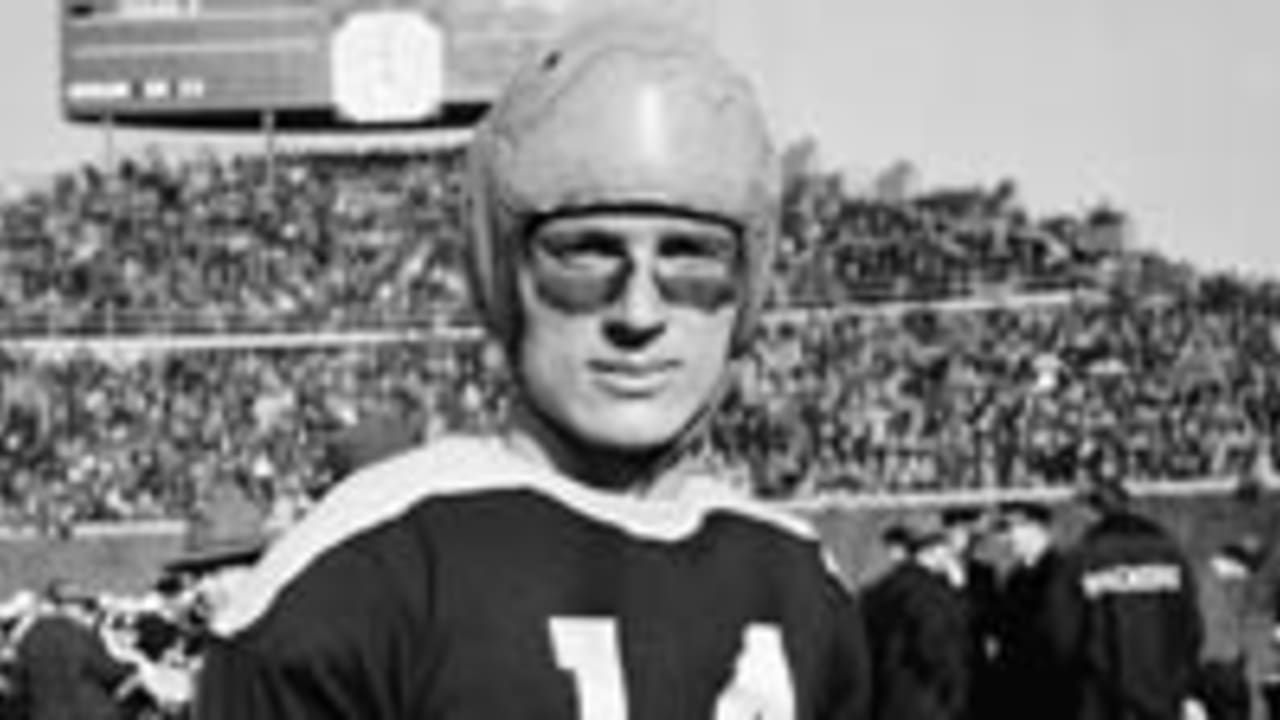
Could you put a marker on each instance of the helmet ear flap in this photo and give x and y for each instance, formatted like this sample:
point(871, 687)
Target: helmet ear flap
point(761, 240)
point(478, 264)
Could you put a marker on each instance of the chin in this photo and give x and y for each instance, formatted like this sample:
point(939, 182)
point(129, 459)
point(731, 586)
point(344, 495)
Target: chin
point(632, 434)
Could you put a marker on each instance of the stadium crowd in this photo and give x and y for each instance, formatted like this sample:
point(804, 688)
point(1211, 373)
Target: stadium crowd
point(991, 396)
point(94, 438)
point(307, 241)
point(323, 242)
point(917, 341)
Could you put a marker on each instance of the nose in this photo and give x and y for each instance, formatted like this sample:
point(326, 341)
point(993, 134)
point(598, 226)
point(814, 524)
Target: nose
point(640, 313)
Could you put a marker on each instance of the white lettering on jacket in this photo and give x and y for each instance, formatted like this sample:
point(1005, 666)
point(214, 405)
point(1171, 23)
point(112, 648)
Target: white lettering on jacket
point(1149, 579)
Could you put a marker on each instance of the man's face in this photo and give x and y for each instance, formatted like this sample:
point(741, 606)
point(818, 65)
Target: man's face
point(959, 537)
point(1027, 540)
point(628, 319)
point(1227, 568)
point(80, 612)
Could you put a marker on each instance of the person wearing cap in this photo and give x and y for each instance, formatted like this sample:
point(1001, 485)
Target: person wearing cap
point(917, 630)
point(962, 525)
point(1026, 682)
point(624, 194)
point(1123, 616)
point(968, 532)
point(895, 538)
point(1222, 681)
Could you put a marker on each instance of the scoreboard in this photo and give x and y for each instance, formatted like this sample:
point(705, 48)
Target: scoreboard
point(307, 63)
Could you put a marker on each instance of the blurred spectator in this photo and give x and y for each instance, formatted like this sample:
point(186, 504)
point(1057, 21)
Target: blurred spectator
point(1222, 683)
point(63, 669)
point(1124, 616)
point(917, 632)
point(1024, 657)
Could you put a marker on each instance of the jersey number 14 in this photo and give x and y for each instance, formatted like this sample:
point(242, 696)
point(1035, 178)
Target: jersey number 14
point(760, 688)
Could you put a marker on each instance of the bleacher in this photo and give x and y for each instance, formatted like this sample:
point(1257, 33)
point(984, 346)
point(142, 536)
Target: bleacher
point(165, 325)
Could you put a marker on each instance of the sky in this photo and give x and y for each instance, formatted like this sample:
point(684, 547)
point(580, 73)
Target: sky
point(1168, 109)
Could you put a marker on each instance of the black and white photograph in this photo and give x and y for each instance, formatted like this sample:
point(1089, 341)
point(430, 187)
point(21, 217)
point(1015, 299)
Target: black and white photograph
point(639, 360)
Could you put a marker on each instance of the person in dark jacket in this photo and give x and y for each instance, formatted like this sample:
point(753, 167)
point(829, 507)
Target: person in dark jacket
point(1029, 683)
point(64, 670)
point(917, 633)
point(972, 573)
point(1124, 619)
point(1222, 682)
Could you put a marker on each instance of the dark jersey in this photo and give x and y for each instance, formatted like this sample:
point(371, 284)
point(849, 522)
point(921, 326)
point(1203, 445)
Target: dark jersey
point(460, 582)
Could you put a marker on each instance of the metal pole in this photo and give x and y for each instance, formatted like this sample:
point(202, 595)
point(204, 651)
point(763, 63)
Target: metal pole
point(109, 169)
point(269, 137)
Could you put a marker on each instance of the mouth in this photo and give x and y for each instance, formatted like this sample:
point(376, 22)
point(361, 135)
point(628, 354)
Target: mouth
point(630, 378)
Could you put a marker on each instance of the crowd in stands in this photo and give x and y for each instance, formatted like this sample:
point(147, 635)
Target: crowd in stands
point(93, 437)
point(307, 241)
point(935, 400)
point(886, 244)
point(915, 341)
point(333, 242)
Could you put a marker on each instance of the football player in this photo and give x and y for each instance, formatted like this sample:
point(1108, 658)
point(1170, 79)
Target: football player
point(625, 194)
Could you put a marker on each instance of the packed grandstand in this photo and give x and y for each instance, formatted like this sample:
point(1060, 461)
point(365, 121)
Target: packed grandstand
point(167, 325)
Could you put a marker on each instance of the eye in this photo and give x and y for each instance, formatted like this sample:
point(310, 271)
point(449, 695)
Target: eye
point(692, 246)
point(703, 255)
point(586, 248)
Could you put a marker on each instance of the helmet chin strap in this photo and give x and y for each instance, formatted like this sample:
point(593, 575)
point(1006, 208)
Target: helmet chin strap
point(651, 471)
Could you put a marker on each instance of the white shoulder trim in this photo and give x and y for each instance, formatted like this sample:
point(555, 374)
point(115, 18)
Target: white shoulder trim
point(715, 494)
point(373, 496)
point(454, 466)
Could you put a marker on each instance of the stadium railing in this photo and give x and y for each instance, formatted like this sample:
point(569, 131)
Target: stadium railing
point(995, 495)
